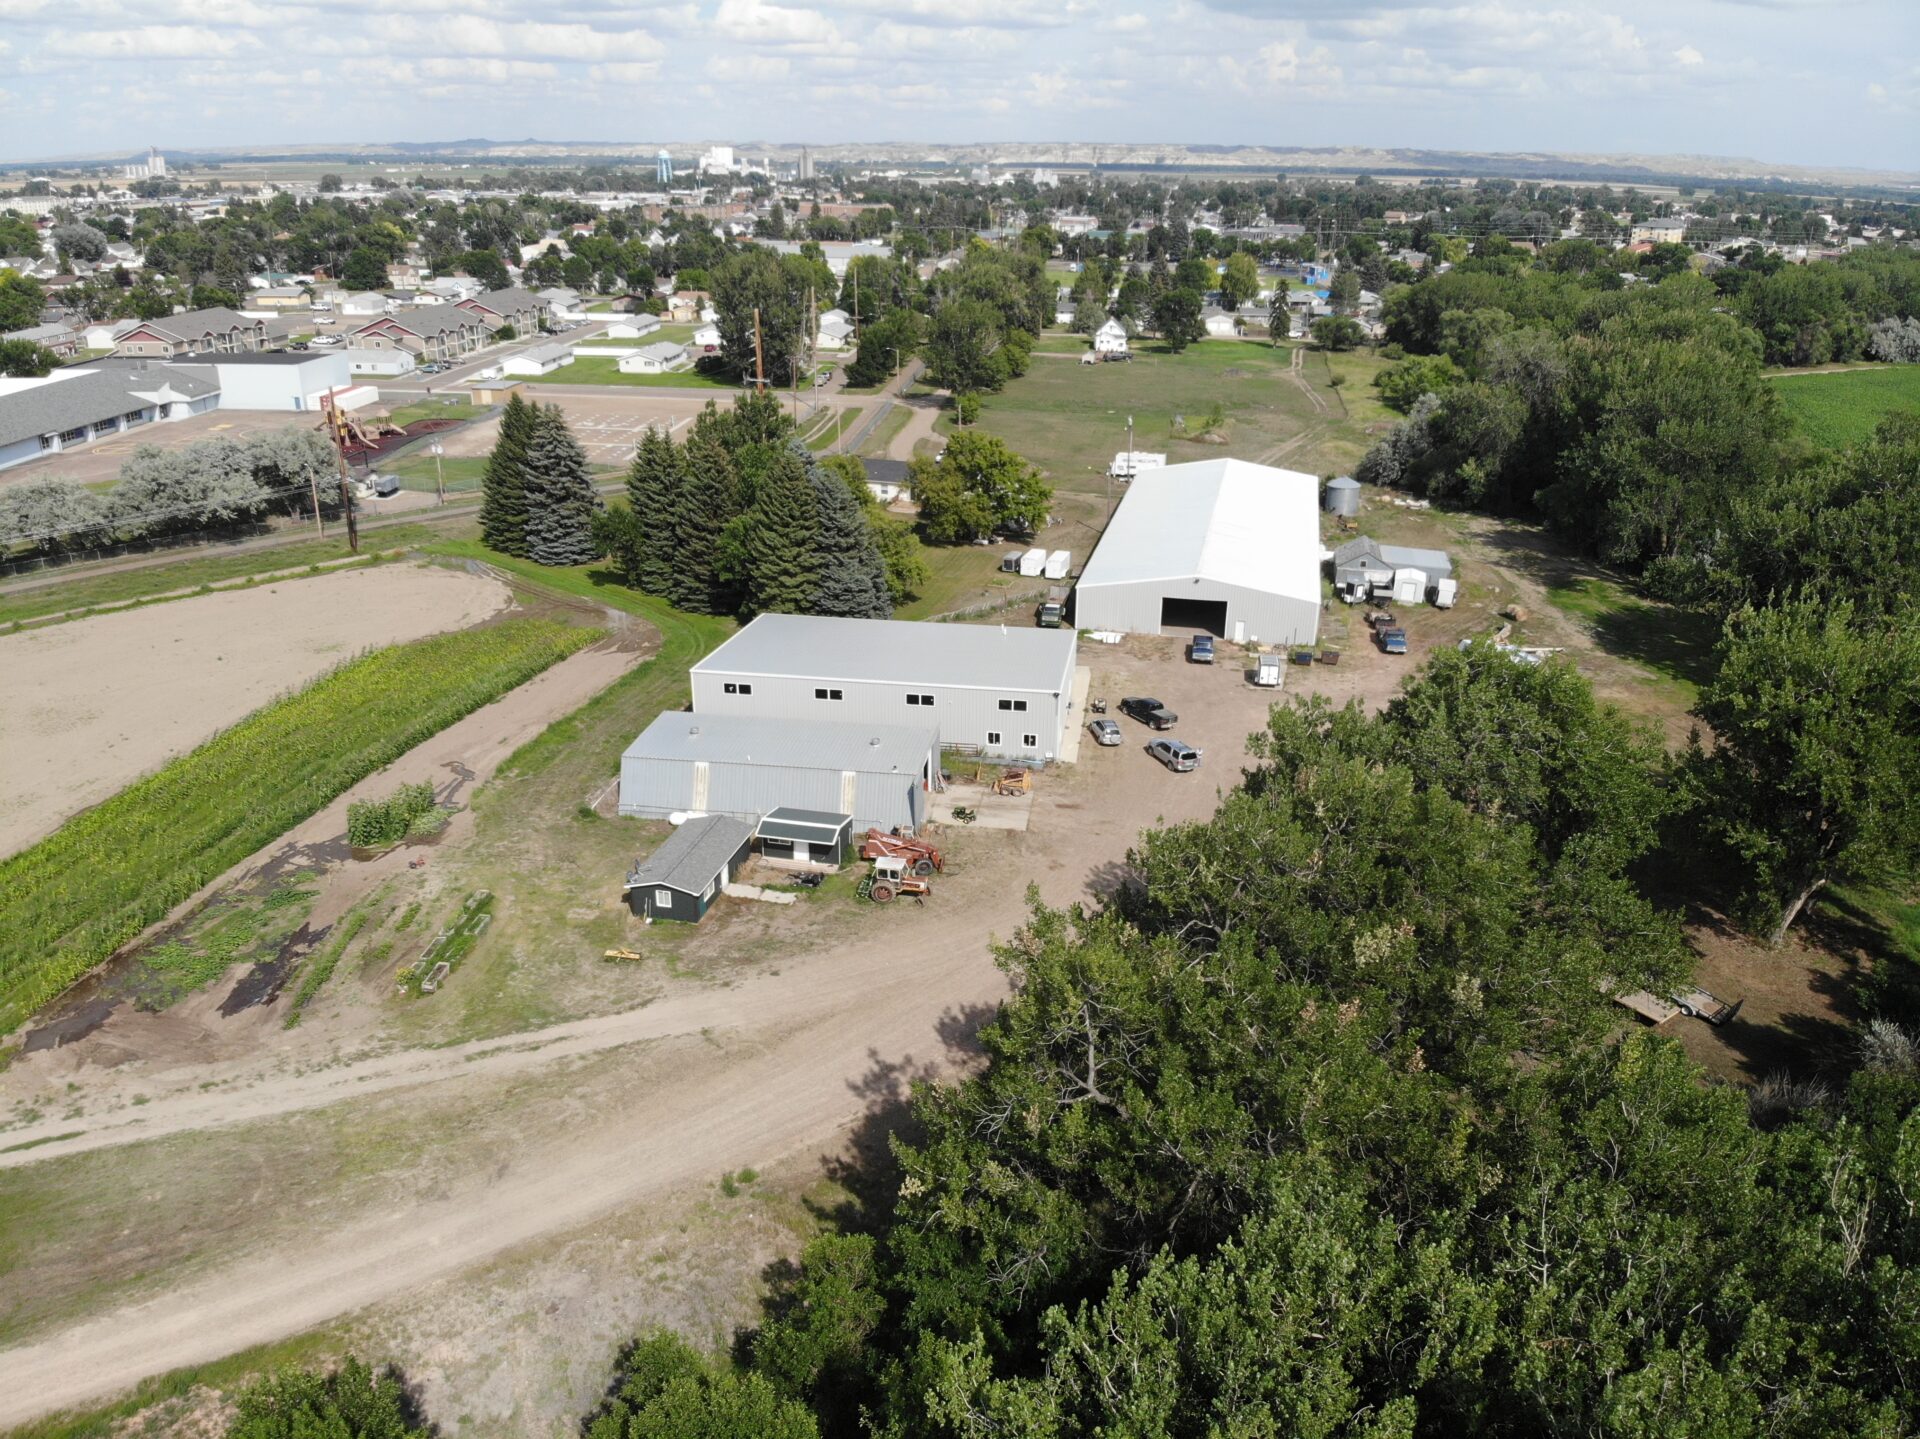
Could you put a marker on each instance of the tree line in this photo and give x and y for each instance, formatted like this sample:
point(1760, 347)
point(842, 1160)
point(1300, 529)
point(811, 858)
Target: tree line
point(165, 494)
point(1322, 1125)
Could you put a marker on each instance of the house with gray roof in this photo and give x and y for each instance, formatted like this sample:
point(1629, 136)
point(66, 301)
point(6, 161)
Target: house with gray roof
point(655, 359)
point(680, 879)
point(428, 332)
point(63, 340)
point(80, 405)
point(522, 309)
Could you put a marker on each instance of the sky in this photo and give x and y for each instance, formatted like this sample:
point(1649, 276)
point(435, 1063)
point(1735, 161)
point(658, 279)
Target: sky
point(1811, 82)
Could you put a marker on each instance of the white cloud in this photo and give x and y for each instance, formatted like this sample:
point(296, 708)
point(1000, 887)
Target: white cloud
point(624, 72)
point(150, 42)
point(478, 35)
point(753, 22)
point(1689, 57)
point(749, 69)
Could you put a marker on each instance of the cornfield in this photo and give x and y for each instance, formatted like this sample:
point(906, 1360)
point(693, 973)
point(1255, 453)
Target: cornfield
point(77, 896)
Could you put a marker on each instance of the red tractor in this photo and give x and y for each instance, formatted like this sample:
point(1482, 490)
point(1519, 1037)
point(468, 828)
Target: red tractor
point(921, 857)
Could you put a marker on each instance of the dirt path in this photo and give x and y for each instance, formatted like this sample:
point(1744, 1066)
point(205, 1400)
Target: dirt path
point(919, 426)
point(88, 708)
point(799, 1041)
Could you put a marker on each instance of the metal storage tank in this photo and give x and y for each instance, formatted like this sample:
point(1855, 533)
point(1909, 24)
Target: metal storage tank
point(1343, 496)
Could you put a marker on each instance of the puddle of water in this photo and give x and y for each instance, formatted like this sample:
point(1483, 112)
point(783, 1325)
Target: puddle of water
point(262, 984)
point(78, 1018)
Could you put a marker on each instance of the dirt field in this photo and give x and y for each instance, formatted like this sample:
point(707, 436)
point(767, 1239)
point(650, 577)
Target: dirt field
point(92, 464)
point(89, 707)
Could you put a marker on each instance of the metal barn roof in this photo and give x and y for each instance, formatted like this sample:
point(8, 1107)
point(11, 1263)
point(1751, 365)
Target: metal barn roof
point(1230, 521)
point(896, 652)
point(1392, 557)
point(693, 854)
point(785, 743)
point(816, 825)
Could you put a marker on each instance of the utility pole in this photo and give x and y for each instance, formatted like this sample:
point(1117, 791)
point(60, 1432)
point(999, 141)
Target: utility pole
point(439, 472)
point(759, 361)
point(337, 430)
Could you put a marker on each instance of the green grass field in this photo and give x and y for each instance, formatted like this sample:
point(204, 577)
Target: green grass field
point(450, 408)
point(604, 370)
point(1842, 407)
point(1071, 419)
point(1674, 645)
point(463, 472)
point(196, 568)
point(72, 899)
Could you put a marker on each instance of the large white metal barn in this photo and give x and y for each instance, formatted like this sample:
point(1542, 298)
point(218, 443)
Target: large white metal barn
point(987, 689)
point(1225, 547)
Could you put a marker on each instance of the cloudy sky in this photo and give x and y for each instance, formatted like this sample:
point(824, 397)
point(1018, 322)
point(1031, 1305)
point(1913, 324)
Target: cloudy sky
point(1833, 82)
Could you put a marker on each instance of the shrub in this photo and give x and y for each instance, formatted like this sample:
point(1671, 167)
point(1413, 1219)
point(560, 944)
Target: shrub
point(375, 822)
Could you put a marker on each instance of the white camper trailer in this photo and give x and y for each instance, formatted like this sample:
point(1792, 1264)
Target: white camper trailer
point(1033, 563)
point(1445, 590)
point(1058, 563)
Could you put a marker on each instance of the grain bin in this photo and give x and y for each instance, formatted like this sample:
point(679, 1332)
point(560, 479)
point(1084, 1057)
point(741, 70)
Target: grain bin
point(1343, 496)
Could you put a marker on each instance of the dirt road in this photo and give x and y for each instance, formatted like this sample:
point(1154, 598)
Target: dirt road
point(797, 1041)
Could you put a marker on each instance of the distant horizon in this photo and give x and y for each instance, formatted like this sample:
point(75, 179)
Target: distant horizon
point(1811, 84)
point(1428, 160)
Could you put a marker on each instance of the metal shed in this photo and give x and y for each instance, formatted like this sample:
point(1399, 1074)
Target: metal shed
point(808, 834)
point(1366, 569)
point(749, 766)
point(988, 689)
point(1222, 546)
point(680, 879)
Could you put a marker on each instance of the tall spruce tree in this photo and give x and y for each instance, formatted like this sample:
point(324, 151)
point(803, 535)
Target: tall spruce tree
point(503, 498)
point(561, 502)
point(853, 577)
point(707, 502)
point(782, 539)
point(653, 494)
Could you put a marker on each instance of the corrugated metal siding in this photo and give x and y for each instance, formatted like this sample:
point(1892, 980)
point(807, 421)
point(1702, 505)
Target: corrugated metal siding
point(653, 788)
point(962, 716)
point(1135, 609)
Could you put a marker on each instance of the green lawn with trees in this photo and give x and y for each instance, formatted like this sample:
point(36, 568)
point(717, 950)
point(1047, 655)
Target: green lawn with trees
point(605, 370)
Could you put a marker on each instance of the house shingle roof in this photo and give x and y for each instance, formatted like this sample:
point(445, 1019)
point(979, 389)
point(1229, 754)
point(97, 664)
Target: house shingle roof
point(693, 854)
point(79, 397)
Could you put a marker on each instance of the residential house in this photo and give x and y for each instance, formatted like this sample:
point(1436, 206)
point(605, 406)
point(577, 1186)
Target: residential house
point(538, 359)
point(279, 297)
point(684, 307)
point(565, 304)
point(453, 288)
point(196, 332)
point(1110, 338)
point(406, 274)
point(363, 305)
point(655, 359)
point(636, 328)
point(522, 309)
point(834, 330)
point(107, 334)
point(63, 340)
point(1063, 307)
point(706, 339)
point(1220, 324)
point(1659, 232)
point(430, 332)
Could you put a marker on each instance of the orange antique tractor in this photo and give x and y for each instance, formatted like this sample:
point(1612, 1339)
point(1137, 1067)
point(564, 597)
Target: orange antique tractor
point(921, 857)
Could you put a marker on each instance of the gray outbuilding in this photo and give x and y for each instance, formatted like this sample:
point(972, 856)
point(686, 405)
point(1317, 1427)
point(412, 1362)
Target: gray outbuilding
point(1225, 547)
point(751, 765)
point(680, 879)
point(1364, 568)
point(983, 689)
point(806, 834)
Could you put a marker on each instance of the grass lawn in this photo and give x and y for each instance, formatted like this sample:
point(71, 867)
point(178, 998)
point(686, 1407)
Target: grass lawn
point(1842, 407)
point(416, 472)
point(836, 425)
point(604, 370)
point(1674, 645)
point(195, 568)
point(967, 577)
point(1070, 419)
point(535, 842)
point(884, 433)
point(450, 408)
point(1061, 344)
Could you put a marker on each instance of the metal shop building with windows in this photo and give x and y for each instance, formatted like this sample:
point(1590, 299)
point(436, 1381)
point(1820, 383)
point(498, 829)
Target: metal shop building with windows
point(750, 767)
point(987, 689)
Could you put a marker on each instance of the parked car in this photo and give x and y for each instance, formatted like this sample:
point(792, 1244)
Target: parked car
point(1175, 755)
point(1393, 642)
point(1105, 732)
point(298, 345)
point(1200, 652)
point(432, 367)
point(1149, 712)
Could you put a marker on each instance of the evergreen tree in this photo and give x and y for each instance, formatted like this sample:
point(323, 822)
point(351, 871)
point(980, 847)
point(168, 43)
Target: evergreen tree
point(560, 499)
point(653, 493)
point(503, 499)
point(782, 538)
point(853, 578)
point(707, 502)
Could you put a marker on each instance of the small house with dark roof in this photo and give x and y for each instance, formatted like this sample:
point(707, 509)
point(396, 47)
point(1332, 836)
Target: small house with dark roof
point(680, 879)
